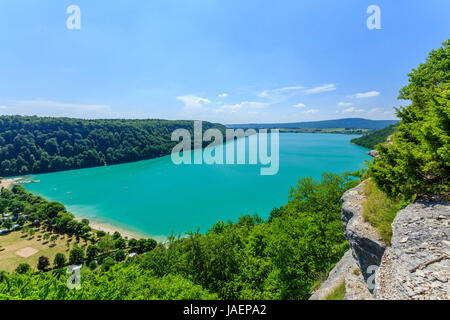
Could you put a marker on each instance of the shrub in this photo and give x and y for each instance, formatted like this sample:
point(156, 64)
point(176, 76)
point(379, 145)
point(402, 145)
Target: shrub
point(23, 268)
point(418, 160)
point(338, 293)
point(379, 210)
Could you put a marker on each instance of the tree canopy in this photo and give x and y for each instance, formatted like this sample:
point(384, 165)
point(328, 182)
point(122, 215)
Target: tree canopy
point(417, 162)
point(39, 145)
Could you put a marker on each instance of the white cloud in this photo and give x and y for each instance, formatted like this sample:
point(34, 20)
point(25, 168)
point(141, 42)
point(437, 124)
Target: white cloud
point(223, 95)
point(193, 102)
point(299, 105)
point(324, 88)
point(345, 104)
point(310, 111)
point(352, 110)
point(242, 105)
point(3, 107)
point(364, 95)
point(268, 93)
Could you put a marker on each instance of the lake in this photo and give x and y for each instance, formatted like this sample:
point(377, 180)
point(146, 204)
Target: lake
point(156, 197)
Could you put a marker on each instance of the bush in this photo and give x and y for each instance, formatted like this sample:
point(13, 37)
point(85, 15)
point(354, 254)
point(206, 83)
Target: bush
point(379, 210)
point(23, 268)
point(92, 265)
point(60, 260)
point(338, 293)
point(108, 263)
point(418, 160)
point(76, 255)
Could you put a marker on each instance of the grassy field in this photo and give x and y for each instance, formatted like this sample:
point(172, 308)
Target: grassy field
point(16, 243)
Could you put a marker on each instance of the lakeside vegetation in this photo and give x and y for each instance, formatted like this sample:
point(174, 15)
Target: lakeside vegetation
point(249, 259)
point(372, 139)
point(39, 145)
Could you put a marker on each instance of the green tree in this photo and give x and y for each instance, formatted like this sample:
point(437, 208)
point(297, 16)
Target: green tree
point(417, 161)
point(43, 263)
point(120, 243)
point(76, 255)
point(60, 260)
point(108, 263)
point(120, 255)
point(23, 268)
point(91, 252)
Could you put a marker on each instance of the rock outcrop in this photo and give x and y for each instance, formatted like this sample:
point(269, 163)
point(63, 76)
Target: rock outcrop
point(417, 265)
point(365, 243)
point(346, 270)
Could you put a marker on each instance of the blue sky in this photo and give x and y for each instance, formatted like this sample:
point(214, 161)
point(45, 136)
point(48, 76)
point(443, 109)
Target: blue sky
point(228, 61)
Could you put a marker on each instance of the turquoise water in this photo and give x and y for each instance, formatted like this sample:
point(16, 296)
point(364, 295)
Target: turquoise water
point(156, 197)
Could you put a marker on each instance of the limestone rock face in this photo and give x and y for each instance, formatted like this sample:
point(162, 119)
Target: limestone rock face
point(365, 243)
point(346, 270)
point(417, 265)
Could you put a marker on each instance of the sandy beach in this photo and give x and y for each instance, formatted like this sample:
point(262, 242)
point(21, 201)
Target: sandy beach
point(6, 183)
point(111, 229)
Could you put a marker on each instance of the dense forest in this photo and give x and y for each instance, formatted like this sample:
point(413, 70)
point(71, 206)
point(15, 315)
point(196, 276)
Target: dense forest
point(371, 139)
point(39, 145)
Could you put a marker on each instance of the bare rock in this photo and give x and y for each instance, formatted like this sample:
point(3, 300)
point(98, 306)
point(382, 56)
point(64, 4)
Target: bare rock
point(346, 270)
point(366, 245)
point(417, 265)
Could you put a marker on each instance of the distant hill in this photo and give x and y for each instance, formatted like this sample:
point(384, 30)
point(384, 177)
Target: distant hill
point(349, 123)
point(370, 140)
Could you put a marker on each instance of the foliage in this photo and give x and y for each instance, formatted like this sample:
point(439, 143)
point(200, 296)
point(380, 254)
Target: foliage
point(39, 145)
point(43, 263)
point(252, 259)
point(23, 268)
point(371, 140)
point(76, 255)
point(248, 259)
point(338, 293)
point(418, 160)
point(60, 260)
point(123, 282)
point(379, 210)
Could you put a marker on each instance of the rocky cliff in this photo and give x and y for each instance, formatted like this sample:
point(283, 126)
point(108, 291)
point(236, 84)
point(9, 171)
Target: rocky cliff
point(415, 266)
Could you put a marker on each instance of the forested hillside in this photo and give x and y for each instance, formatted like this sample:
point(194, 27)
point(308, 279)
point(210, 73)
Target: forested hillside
point(39, 145)
point(370, 140)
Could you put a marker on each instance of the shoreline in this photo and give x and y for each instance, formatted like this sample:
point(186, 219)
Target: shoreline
point(127, 234)
point(96, 226)
point(7, 183)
